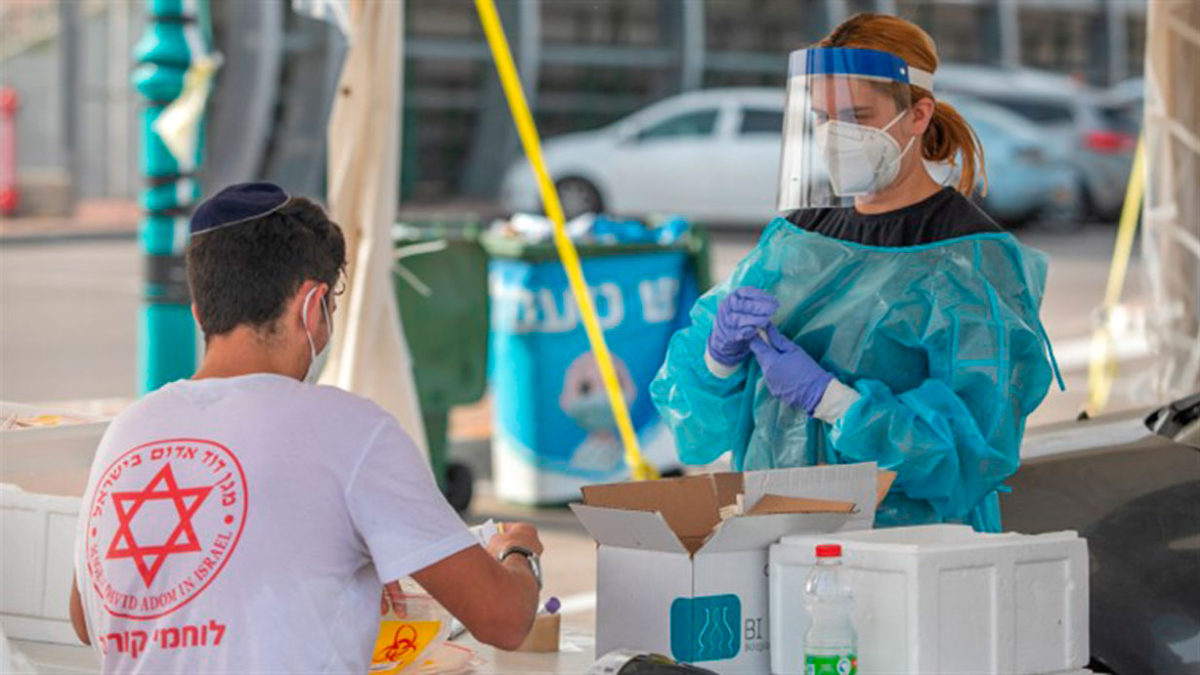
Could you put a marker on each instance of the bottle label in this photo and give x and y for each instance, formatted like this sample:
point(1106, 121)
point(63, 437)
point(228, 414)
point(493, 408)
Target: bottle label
point(845, 664)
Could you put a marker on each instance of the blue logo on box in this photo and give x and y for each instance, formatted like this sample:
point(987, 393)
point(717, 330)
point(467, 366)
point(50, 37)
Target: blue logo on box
point(706, 628)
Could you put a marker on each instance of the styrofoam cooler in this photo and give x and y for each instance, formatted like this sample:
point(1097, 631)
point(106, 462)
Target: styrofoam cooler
point(944, 599)
point(37, 539)
point(43, 473)
point(53, 459)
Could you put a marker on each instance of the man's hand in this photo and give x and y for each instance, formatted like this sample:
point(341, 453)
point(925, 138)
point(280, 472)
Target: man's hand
point(515, 534)
point(78, 620)
point(393, 600)
point(496, 602)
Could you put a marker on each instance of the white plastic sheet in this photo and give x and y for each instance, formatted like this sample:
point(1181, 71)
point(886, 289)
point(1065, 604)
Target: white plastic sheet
point(1171, 219)
point(336, 12)
point(370, 355)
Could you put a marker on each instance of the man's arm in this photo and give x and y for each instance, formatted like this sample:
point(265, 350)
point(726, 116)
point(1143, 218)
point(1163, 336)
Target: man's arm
point(77, 620)
point(496, 601)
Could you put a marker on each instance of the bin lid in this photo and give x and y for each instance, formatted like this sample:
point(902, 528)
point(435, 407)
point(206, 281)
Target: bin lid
point(506, 246)
point(409, 231)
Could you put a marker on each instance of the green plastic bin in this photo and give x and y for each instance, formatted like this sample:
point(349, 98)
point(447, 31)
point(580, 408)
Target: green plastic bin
point(440, 281)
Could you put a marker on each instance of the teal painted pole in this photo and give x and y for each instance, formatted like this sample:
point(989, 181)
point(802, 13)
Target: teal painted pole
point(176, 32)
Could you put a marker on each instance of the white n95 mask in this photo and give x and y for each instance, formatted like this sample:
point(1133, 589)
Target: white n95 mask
point(317, 360)
point(861, 159)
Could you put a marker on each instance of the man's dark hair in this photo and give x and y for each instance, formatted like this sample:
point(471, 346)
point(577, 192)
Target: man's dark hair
point(245, 273)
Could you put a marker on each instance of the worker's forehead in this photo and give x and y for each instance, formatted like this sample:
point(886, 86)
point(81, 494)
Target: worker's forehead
point(832, 92)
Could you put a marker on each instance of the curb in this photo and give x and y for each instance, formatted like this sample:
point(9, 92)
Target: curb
point(68, 237)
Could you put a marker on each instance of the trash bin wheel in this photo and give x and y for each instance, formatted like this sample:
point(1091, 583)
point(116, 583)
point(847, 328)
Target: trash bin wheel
point(460, 486)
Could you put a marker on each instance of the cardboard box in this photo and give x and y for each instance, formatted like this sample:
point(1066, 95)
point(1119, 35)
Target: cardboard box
point(674, 578)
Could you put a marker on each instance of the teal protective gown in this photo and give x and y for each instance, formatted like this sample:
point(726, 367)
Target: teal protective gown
point(942, 341)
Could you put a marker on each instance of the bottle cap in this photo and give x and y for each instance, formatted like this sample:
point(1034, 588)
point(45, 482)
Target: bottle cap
point(829, 551)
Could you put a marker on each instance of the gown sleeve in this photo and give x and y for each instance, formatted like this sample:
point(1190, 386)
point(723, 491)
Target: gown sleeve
point(708, 415)
point(711, 415)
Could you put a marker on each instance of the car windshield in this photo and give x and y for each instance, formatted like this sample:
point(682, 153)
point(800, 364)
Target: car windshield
point(996, 120)
point(695, 123)
point(761, 121)
point(1044, 112)
point(1127, 118)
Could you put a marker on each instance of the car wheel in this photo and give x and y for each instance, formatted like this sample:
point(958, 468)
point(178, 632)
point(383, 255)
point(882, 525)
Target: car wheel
point(460, 486)
point(578, 196)
point(1091, 206)
point(1060, 222)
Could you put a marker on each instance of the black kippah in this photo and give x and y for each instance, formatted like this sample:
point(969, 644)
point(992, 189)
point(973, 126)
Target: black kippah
point(237, 203)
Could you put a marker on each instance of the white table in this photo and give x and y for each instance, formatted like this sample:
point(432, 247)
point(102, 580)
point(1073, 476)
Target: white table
point(575, 656)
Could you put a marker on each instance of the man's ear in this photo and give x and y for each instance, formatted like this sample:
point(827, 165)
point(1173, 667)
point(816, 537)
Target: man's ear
point(315, 316)
point(195, 314)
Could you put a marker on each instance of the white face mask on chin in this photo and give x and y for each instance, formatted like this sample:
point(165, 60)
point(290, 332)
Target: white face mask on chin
point(861, 159)
point(317, 360)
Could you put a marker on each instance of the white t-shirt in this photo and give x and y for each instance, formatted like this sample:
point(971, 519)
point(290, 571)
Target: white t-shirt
point(247, 525)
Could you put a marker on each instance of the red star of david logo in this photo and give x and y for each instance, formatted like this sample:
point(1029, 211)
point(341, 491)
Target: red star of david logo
point(149, 559)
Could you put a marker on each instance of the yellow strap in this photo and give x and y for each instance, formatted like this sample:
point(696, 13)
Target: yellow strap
point(1103, 367)
point(502, 56)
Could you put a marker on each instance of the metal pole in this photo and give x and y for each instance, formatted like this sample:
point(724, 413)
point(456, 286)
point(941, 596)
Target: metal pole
point(71, 98)
point(175, 30)
point(836, 11)
point(119, 99)
point(692, 46)
point(10, 198)
point(1117, 36)
point(1010, 32)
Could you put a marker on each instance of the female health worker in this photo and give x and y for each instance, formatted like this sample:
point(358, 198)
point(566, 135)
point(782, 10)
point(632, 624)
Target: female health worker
point(887, 318)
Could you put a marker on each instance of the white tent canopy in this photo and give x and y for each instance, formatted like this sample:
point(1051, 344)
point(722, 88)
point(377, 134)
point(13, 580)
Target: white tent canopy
point(370, 355)
point(1171, 219)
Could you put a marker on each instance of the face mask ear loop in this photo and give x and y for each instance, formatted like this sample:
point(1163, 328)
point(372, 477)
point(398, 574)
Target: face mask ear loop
point(911, 139)
point(328, 318)
point(895, 119)
point(312, 347)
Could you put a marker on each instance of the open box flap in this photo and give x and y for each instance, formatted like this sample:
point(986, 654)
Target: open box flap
point(628, 529)
point(777, 504)
point(842, 482)
point(729, 485)
point(689, 504)
point(748, 532)
point(883, 483)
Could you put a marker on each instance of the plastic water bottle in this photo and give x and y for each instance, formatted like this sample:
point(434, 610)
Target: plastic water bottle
point(831, 644)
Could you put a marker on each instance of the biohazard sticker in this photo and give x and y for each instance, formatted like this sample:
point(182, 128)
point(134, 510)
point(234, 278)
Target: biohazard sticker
point(165, 519)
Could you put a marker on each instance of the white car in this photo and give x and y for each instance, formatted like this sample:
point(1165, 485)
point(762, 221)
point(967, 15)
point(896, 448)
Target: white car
point(710, 155)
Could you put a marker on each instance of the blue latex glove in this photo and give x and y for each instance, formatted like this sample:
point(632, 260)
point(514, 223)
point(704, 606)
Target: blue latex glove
point(791, 374)
point(740, 316)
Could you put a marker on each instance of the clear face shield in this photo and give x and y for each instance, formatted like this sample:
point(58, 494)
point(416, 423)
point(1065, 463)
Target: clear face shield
point(840, 136)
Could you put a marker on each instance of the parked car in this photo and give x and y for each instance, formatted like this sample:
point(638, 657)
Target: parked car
point(1130, 484)
point(1029, 176)
point(710, 155)
point(1071, 111)
point(1123, 104)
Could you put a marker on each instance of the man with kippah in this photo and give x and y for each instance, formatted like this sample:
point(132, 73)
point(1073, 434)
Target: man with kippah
point(245, 520)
